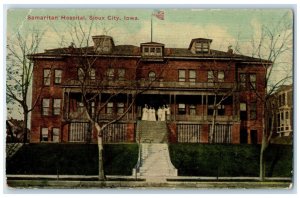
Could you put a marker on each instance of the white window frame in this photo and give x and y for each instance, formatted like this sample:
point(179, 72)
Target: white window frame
point(56, 106)
point(45, 106)
point(57, 76)
point(47, 77)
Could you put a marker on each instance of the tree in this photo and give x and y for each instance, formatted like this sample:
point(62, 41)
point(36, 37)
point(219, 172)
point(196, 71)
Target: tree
point(96, 92)
point(274, 47)
point(20, 72)
point(221, 91)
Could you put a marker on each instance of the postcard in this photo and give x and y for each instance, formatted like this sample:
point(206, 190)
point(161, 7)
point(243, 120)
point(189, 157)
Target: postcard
point(149, 98)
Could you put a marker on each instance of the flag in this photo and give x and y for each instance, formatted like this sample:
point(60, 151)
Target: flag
point(160, 14)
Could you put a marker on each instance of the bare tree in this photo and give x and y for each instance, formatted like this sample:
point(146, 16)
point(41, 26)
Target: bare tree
point(96, 92)
point(274, 46)
point(20, 72)
point(221, 90)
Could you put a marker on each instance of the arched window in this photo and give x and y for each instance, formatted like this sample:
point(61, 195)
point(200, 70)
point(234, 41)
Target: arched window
point(152, 75)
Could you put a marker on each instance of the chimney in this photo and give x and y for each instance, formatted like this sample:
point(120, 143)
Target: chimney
point(103, 44)
point(230, 50)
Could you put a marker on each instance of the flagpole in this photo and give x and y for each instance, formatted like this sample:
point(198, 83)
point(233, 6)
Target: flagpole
point(151, 27)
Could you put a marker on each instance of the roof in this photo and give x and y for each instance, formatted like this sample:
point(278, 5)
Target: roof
point(131, 50)
point(153, 43)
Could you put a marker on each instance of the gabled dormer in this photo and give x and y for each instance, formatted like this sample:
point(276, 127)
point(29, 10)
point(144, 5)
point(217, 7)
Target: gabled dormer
point(152, 51)
point(200, 46)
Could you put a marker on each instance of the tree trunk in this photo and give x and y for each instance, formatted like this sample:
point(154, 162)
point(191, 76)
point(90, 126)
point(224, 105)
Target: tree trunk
point(25, 116)
point(264, 145)
point(212, 132)
point(101, 175)
point(262, 161)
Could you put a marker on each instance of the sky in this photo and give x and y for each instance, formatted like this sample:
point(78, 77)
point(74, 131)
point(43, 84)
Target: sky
point(224, 26)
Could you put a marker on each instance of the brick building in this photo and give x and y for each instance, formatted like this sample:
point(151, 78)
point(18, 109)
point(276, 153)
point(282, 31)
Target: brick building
point(282, 111)
point(205, 89)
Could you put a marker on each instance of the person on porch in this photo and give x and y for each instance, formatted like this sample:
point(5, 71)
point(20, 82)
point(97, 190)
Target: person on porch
point(168, 112)
point(152, 116)
point(145, 115)
point(159, 113)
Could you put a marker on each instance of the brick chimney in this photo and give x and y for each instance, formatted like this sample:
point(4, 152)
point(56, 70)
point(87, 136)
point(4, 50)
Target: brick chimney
point(103, 44)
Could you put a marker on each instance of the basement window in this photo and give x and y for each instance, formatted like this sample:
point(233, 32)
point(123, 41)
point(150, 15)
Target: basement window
point(44, 135)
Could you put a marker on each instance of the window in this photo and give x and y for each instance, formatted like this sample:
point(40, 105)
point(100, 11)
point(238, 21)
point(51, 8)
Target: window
point(247, 81)
point(56, 106)
point(80, 74)
point(152, 51)
point(47, 77)
point(120, 108)
point(210, 110)
point(181, 109)
point(286, 115)
point(110, 74)
point(192, 109)
point(252, 81)
point(57, 76)
point(221, 110)
point(92, 74)
point(243, 111)
point(283, 99)
point(192, 75)
point(158, 51)
point(253, 111)
point(181, 75)
point(146, 50)
point(215, 76)
point(46, 106)
point(55, 134)
point(121, 74)
point(44, 136)
point(210, 76)
point(243, 81)
point(221, 76)
point(109, 108)
point(201, 47)
point(152, 76)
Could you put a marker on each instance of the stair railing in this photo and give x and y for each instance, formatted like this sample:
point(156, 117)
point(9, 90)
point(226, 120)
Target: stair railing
point(138, 164)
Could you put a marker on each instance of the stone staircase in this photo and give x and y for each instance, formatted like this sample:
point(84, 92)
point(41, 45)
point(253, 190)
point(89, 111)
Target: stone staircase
point(152, 132)
point(154, 162)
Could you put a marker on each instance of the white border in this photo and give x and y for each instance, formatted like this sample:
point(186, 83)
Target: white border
point(147, 4)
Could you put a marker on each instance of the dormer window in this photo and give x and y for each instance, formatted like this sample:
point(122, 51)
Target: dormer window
point(152, 51)
point(200, 46)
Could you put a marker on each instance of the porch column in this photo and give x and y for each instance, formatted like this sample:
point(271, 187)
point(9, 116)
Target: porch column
point(202, 105)
point(127, 104)
point(174, 107)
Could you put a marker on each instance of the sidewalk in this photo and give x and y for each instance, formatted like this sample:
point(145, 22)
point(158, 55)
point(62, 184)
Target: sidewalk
point(81, 181)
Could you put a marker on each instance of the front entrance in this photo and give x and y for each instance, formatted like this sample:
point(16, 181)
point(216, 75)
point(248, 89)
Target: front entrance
point(243, 136)
point(152, 101)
